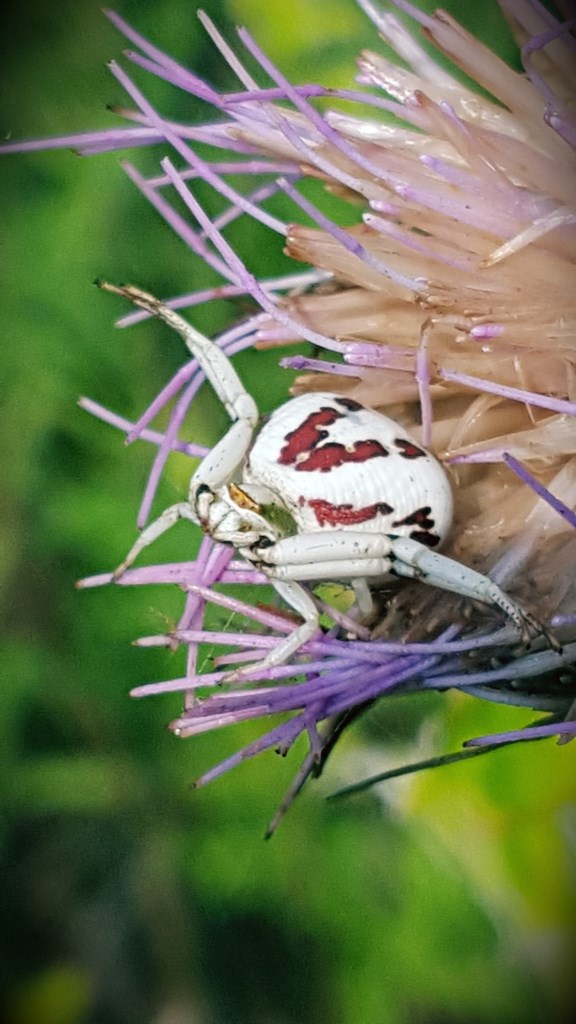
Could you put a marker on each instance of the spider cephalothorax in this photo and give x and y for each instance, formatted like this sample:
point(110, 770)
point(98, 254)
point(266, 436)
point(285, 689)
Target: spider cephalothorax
point(327, 490)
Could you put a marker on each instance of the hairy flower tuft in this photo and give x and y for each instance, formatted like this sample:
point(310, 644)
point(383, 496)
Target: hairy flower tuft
point(449, 303)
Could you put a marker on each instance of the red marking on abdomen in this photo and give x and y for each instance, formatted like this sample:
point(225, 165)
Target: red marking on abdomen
point(305, 437)
point(328, 514)
point(304, 451)
point(333, 454)
point(409, 450)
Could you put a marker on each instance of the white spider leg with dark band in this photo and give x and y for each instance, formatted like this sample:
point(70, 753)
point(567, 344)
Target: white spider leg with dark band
point(218, 467)
point(337, 548)
point(215, 363)
point(348, 555)
point(417, 562)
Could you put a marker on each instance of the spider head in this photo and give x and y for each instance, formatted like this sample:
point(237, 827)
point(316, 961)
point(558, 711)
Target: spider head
point(234, 515)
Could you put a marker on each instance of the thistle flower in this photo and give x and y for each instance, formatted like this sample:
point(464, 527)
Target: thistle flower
point(448, 304)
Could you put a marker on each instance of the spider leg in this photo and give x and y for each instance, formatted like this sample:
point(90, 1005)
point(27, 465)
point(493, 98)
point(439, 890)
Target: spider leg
point(364, 600)
point(310, 557)
point(351, 555)
point(314, 572)
point(214, 362)
point(412, 559)
point(333, 554)
point(218, 468)
point(164, 522)
point(298, 599)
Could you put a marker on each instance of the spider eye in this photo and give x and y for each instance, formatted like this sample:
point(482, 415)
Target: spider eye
point(264, 542)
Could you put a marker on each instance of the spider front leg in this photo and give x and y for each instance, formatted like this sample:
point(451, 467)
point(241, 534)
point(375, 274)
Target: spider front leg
point(412, 559)
point(213, 361)
point(315, 556)
point(219, 465)
point(350, 555)
point(309, 557)
point(218, 468)
point(327, 555)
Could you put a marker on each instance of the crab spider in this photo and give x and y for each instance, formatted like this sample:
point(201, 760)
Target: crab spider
point(328, 490)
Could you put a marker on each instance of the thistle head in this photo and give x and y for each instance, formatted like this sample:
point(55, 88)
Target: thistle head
point(448, 303)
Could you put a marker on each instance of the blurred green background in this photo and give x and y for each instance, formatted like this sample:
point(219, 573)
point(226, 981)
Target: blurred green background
point(125, 897)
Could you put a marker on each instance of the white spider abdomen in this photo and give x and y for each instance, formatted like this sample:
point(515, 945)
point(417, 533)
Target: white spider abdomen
point(334, 464)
